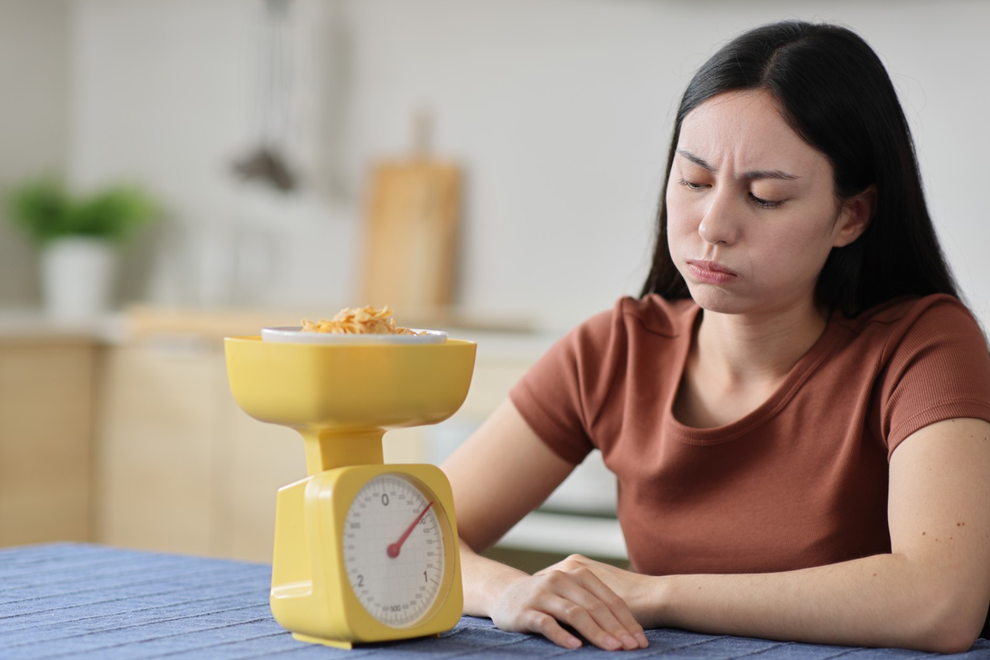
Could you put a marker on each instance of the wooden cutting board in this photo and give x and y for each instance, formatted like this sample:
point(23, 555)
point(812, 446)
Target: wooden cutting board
point(411, 235)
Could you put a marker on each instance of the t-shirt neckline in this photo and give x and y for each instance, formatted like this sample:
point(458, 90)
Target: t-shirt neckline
point(799, 373)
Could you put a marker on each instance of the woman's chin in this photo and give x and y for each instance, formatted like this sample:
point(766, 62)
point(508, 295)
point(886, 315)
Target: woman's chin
point(717, 299)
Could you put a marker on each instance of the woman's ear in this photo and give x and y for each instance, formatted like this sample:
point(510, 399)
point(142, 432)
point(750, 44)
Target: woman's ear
point(855, 216)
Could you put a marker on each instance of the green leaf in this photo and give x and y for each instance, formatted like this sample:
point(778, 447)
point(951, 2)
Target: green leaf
point(46, 210)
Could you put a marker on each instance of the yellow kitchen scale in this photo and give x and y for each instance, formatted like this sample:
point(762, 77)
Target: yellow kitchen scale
point(364, 551)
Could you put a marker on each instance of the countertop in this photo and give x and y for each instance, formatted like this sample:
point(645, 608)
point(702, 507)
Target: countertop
point(511, 340)
point(80, 601)
point(34, 325)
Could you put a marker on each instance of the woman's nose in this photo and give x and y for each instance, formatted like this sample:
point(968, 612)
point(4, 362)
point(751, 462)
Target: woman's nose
point(719, 222)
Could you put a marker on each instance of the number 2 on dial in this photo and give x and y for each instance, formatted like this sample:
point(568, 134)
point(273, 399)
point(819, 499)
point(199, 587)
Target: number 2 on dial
point(393, 550)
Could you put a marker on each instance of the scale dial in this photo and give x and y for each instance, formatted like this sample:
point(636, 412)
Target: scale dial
point(394, 549)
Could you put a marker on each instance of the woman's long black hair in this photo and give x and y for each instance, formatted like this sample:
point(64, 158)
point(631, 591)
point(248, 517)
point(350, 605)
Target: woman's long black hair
point(835, 93)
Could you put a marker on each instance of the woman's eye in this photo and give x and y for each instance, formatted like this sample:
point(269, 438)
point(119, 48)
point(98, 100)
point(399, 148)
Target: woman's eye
point(690, 185)
point(764, 203)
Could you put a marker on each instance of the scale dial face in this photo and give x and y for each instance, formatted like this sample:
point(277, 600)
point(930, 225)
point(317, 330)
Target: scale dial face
point(394, 549)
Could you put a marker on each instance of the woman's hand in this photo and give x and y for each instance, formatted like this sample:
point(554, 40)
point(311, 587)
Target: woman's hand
point(628, 586)
point(501, 473)
point(574, 596)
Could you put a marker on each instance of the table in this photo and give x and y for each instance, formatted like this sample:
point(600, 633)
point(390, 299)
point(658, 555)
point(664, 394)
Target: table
point(76, 601)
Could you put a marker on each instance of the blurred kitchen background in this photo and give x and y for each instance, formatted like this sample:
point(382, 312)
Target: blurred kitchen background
point(275, 134)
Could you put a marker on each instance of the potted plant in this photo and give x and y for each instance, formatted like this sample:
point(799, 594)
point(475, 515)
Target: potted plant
point(77, 237)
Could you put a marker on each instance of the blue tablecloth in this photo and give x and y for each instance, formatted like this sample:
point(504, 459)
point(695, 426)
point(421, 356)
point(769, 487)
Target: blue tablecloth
point(85, 601)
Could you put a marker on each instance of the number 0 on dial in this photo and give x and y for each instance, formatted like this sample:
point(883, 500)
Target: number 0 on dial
point(394, 550)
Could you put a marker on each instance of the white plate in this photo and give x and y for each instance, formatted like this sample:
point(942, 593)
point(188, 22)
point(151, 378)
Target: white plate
point(295, 335)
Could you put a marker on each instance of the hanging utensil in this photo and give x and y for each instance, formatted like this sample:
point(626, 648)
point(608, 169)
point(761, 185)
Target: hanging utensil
point(267, 163)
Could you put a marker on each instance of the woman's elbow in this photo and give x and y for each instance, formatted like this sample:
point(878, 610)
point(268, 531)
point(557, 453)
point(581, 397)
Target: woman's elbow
point(949, 639)
point(949, 622)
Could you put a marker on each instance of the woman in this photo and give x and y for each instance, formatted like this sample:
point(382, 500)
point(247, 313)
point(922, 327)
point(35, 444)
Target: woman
point(797, 406)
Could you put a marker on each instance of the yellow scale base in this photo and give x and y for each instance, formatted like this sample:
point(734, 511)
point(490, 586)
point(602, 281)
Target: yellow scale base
point(342, 398)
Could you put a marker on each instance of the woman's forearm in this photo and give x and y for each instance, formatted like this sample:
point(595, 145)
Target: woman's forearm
point(483, 578)
point(930, 593)
point(884, 600)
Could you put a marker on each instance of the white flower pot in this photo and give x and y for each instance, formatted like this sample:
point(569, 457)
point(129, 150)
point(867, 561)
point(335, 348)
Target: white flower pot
point(77, 277)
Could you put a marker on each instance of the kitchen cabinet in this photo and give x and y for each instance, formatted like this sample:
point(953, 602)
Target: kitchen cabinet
point(125, 433)
point(154, 460)
point(182, 469)
point(46, 410)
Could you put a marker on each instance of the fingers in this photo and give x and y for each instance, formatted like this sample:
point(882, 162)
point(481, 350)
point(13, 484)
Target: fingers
point(580, 600)
point(586, 604)
point(566, 601)
point(547, 622)
point(625, 625)
point(547, 626)
point(588, 570)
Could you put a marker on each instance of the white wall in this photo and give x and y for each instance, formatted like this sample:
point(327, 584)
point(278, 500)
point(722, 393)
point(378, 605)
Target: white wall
point(559, 110)
point(562, 110)
point(167, 94)
point(34, 56)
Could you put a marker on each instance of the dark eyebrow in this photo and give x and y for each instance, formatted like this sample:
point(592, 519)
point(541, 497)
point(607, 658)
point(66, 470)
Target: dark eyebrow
point(755, 175)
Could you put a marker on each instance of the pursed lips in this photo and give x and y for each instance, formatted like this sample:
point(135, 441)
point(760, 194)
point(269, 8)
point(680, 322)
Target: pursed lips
point(710, 272)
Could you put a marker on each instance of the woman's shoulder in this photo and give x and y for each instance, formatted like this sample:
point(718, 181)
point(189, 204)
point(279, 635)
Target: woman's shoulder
point(649, 315)
point(927, 359)
point(910, 328)
point(644, 325)
point(936, 310)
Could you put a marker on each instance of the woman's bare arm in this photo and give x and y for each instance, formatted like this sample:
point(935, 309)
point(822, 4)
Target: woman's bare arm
point(930, 593)
point(501, 473)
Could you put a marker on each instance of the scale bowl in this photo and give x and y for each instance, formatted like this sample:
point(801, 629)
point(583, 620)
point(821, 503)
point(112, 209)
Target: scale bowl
point(349, 387)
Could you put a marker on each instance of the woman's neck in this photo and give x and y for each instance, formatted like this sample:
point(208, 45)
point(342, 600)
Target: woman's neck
point(745, 349)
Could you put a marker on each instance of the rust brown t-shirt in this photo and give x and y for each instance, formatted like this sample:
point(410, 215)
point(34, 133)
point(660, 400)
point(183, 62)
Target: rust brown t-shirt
point(802, 480)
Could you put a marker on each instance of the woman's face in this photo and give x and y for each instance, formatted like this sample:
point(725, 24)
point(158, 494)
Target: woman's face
point(751, 208)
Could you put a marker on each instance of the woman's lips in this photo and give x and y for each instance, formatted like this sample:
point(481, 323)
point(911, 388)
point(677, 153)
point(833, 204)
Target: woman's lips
point(709, 272)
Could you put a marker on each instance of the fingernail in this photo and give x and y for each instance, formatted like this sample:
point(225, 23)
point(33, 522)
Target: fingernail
point(643, 642)
point(630, 642)
point(574, 643)
point(612, 643)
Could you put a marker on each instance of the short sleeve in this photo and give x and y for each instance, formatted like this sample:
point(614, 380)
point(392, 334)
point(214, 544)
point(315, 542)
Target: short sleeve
point(937, 369)
point(556, 396)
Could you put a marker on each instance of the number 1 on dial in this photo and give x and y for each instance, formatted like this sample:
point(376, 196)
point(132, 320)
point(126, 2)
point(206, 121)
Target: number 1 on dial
point(394, 551)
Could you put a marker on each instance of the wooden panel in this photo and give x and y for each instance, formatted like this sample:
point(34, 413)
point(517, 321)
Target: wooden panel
point(490, 386)
point(46, 392)
point(256, 460)
point(411, 235)
point(404, 445)
point(183, 469)
point(155, 455)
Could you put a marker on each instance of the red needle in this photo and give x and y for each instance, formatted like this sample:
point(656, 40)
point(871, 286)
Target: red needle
point(394, 548)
